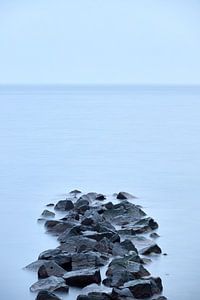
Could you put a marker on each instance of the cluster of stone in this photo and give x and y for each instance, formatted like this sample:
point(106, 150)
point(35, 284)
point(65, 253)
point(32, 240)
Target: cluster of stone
point(98, 231)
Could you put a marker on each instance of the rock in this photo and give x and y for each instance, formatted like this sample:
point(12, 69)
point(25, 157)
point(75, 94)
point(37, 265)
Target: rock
point(109, 205)
point(71, 232)
point(121, 293)
point(160, 298)
point(45, 295)
point(75, 192)
point(82, 201)
point(100, 197)
point(34, 266)
point(50, 268)
point(124, 195)
point(49, 254)
point(154, 235)
point(112, 236)
point(82, 278)
point(95, 296)
point(148, 222)
point(121, 271)
point(64, 205)
point(123, 248)
point(88, 260)
point(144, 288)
point(48, 214)
point(51, 284)
point(78, 244)
point(50, 205)
point(154, 248)
point(124, 212)
point(58, 227)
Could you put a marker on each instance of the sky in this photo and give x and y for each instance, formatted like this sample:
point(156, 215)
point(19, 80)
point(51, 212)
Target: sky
point(99, 42)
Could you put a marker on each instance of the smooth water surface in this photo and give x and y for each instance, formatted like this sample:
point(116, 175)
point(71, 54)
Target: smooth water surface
point(144, 140)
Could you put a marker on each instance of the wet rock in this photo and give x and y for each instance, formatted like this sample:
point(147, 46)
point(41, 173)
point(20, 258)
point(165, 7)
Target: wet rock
point(123, 248)
point(124, 195)
point(34, 266)
point(45, 295)
point(88, 260)
point(58, 227)
point(51, 284)
point(78, 244)
point(100, 197)
point(123, 213)
point(82, 278)
point(95, 296)
point(82, 201)
point(112, 236)
point(64, 205)
point(121, 294)
point(104, 246)
point(154, 248)
point(48, 214)
point(49, 254)
point(50, 205)
point(154, 235)
point(71, 232)
point(75, 192)
point(148, 222)
point(109, 205)
point(50, 268)
point(144, 288)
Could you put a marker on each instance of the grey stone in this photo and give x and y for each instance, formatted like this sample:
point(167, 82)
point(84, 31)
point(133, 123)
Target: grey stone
point(82, 278)
point(51, 284)
point(50, 268)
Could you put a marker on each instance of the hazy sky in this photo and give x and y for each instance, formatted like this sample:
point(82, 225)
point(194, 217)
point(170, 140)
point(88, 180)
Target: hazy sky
point(100, 41)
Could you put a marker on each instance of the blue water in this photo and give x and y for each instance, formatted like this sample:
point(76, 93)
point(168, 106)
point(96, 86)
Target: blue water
point(144, 140)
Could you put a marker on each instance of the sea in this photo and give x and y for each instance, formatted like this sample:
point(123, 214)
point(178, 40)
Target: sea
point(144, 140)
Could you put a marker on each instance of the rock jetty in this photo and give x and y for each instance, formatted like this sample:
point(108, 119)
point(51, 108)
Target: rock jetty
point(104, 246)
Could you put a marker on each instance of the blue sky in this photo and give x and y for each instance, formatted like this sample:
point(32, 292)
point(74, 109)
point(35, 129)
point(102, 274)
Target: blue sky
point(100, 41)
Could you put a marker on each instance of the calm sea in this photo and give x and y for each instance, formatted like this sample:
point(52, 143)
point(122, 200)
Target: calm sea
point(144, 140)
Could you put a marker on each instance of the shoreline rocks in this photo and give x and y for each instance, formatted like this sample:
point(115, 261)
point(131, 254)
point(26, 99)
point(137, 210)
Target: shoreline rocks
point(98, 231)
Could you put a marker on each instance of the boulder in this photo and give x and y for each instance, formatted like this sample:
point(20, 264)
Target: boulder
point(112, 236)
point(124, 195)
point(34, 266)
point(68, 233)
point(160, 298)
point(64, 205)
point(78, 244)
point(148, 222)
point(45, 295)
point(49, 254)
point(95, 296)
point(48, 214)
point(154, 248)
point(144, 288)
point(120, 249)
point(50, 268)
point(51, 284)
point(88, 260)
point(82, 278)
point(50, 205)
point(100, 197)
point(154, 235)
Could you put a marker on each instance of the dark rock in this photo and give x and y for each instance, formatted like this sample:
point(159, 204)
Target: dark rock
point(95, 296)
point(149, 222)
point(82, 278)
point(154, 235)
point(49, 254)
point(121, 294)
point(100, 197)
point(78, 244)
point(144, 288)
point(59, 227)
point(51, 284)
point(82, 201)
point(124, 195)
point(48, 214)
point(104, 246)
point(45, 295)
point(75, 192)
point(123, 248)
point(112, 236)
point(50, 205)
point(154, 248)
point(64, 205)
point(74, 231)
point(160, 298)
point(124, 212)
point(109, 205)
point(88, 260)
point(50, 268)
point(34, 266)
